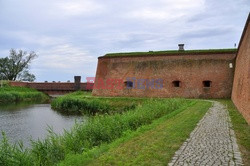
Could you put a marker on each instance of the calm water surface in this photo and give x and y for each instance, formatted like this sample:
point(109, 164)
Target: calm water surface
point(24, 121)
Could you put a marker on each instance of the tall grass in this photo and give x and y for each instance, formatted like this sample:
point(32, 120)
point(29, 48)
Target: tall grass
point(100, 129)
point(241, 129)
point(4, 83)
point(82, 102)
point(107, 128)
point(16, 94)
point(13, 155)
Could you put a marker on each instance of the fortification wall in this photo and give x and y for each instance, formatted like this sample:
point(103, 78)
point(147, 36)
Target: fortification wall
point(18, 83)
point(190, 70)
point(51, 87)
point(241, 86)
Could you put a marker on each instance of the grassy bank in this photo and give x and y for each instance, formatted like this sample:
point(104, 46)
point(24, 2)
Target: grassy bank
point(10, 94)
point(83, 102)
point(151, 53)
point(241, 129)
point(98, 131)
point(152, 144)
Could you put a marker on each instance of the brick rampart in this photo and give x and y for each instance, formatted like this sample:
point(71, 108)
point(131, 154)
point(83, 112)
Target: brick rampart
point(190, 69)
point(50, 88)
point(241, 86)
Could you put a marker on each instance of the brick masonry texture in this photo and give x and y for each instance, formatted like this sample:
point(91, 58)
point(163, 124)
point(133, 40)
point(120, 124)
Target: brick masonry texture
point(241, 85)
point(190, 70)
point(50, 88)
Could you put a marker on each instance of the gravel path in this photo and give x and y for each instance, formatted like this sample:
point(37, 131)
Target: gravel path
point(212, 142)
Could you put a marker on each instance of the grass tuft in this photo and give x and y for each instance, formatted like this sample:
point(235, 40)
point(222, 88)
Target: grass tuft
point(13, 155)
point(10, 94)
point(241, 129)
point(84, 103)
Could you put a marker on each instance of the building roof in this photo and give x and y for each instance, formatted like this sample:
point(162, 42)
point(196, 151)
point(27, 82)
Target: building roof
point(171, 52)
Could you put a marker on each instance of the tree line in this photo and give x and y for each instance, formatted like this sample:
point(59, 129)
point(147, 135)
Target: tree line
point(16, 66)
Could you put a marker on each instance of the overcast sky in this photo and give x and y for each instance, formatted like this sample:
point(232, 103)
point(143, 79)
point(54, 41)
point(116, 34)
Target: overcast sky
point(69, 35)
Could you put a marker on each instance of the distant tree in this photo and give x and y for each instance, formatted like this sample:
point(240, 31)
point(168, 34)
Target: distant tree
point(16, 66)
point(26, 76)
point(3, 68)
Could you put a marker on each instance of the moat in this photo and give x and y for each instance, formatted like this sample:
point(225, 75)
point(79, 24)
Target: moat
point(24, 121)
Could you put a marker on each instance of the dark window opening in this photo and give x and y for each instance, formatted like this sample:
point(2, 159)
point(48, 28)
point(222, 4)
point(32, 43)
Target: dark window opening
point(176, 83)
point(128, 84)
point(207, 84)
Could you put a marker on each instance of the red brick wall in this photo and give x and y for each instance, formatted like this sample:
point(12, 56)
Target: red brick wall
point(241, 87)
point(49, 87)
point(191, 70)
point(17, 83)
point(52, 86)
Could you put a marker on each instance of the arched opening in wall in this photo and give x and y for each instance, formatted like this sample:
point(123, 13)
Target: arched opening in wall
point(207, 84)
point(129, 84)
point(176, 83)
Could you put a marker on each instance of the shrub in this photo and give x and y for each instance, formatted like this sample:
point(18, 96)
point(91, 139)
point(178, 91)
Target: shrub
point(78, 103)
point(13, 155)
point(16, 94)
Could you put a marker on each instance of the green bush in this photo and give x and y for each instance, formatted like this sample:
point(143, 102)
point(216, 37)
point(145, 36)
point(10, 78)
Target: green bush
point(78, 102)
point(13, 155)
point(16, 94)
point(80, 105)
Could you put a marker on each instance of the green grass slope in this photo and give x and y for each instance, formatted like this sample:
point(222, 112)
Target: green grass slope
point(171, 52)
point(151, 144)
point(10, 94)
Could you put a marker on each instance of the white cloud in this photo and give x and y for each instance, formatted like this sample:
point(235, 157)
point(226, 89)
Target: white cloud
point(65, 58)
point(26, 37)
point(167, 9)
point(78, 7)
point(55, 54)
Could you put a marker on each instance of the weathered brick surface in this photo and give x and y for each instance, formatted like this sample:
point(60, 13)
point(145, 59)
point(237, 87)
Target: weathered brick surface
point(191, 70)
point(17, 83)
point(52, 86)
point(241, 87)
point(49, 87)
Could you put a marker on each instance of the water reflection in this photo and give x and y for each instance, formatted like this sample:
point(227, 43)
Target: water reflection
point(24, 121)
